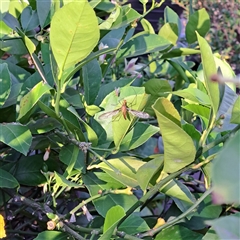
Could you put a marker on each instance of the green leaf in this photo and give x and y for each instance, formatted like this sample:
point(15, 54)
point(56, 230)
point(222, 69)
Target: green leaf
point(206, 211)
point(4, 6)
point(147, 171)
point(103, 204)
point(178, 233)
point(17, 7)
point(28, 170)
point(92, 136)
point(157, 87)
point(92, 76)
point(211, 234)
point(170, 16)
point(43, 125)
point(7, 180)
point(53, 235)
point(137, 136)
point(77, 26)
point(133, 225)
point(13, 46)
point(62, 181)
point(178, 52)
point(176, 189)
point(194, 95)
point(128, 166)
point(16, 136)
point(27, 41)
point(236, 112)
point(43, 9)
point(72, 160)
point(179, 149)
point(29, 19)
point(142, 44)
point(199, 110)
point(127, 15)
point(147, 27)
point(30, 99)
point(107, 24)
point(114, 215)
point(169, 31)
point(5, 83)
point(209, 68)
point(110, 87)
point(225, 173)
point(94, 3)
point(226, 227)
point(199, 22)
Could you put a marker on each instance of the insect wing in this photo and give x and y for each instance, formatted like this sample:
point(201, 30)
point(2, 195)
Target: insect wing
point(139, 114)
point(109, 114)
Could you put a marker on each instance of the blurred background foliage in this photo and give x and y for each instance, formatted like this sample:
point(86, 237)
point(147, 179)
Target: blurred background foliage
point(224, 34)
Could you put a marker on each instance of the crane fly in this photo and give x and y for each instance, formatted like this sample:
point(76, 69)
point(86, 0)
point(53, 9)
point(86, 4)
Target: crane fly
point(125, 110)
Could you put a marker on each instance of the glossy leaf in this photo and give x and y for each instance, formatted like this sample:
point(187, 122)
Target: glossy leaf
point(194, 95)
point(199, 110)
point(142, 44)
point(7, 180)
point(27, 41)
point(169, 31)
point(5, 83)
point(113, 216)
point(104, 203)
point(211, 234)
point(29, 19)
point(31, 98)
point(62, 181)
point(199, 21)
point(92, 76)
point(133, 225)
point(206, 211)
point(28, 170)
point(77, 26)
point(92, 136)
point(138, 136)
point(54, 235)
point(170, 16)
point(225, 173)
point(16, 136)
point(179, 149)
point(226, 227)
point(11, 21)
point(72, 160)
point(177, 52)
point(128, 166)
point(236, 112)
point(127, 15)
point(43, 125)
point(179, 193)
point(157, 87)
point(147, 171)
point(147, 27)
point(178, 232)
point(43, 9)
point(209, 68)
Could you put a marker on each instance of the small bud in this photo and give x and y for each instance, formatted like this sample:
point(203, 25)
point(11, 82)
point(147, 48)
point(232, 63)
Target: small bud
point(46, 154)
point(159, 223)
point(51, 225)
point(127, 191)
